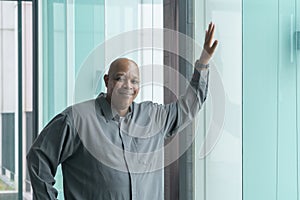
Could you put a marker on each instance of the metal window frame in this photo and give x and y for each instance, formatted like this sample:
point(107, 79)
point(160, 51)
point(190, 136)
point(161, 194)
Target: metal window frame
point(179, 16)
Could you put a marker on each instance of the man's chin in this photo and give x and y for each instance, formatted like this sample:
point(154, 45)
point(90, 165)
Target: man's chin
point(122, 103)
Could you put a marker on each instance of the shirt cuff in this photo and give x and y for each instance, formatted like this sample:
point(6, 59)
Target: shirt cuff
point(200, 66)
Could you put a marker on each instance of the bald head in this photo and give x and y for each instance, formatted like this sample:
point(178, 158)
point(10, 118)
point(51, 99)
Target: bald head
point(121, 63)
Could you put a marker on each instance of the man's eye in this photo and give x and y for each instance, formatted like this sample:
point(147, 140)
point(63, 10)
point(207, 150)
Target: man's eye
point(119, 78)
point(135, 82)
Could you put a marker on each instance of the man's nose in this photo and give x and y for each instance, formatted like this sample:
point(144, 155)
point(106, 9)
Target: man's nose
point(127, 84)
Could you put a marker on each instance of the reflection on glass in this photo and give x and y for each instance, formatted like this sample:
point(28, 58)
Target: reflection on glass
point(8, 99)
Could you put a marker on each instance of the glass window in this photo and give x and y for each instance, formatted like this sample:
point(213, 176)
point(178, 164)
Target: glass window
point(75, 55)
point(72, 33)
point(9, 101)
point(218, 155)
point(11, 162)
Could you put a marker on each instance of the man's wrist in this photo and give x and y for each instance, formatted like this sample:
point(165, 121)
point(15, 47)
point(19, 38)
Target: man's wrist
point(200, 65)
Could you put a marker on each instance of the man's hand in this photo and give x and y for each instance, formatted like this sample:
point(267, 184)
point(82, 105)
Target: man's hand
point(209, 46)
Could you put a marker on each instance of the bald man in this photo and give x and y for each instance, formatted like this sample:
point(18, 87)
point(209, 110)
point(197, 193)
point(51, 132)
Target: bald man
point(111, 148)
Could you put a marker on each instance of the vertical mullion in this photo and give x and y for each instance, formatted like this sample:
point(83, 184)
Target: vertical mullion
point(35, 69)
point(186, 26)
point(171, 185)
point(20, 103)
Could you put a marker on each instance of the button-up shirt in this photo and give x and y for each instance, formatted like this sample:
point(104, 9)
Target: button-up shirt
point(104, 156)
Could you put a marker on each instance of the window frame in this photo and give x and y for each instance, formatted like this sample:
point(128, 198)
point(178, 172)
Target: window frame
point(35, 85)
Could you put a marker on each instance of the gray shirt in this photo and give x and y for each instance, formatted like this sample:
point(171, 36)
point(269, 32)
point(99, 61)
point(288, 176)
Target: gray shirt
point(104, 156)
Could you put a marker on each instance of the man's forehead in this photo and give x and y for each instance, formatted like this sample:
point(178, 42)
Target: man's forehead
point(123, 65)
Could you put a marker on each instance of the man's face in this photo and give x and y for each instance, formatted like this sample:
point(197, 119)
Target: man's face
point(122, 83)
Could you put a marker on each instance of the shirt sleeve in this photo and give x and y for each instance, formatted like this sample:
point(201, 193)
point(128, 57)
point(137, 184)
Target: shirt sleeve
point(52, 147)
point(185, 109)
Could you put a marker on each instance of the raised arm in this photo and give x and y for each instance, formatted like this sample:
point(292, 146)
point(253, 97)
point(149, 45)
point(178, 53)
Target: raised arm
point(189, 104)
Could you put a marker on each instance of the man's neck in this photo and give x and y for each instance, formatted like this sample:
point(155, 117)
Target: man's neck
point(121, 112)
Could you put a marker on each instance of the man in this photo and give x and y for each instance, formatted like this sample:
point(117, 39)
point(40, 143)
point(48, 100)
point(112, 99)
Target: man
point(111, 147)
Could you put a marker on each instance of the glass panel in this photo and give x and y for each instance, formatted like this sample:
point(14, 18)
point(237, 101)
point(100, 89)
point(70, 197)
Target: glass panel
point(70, 31)
point(286, 168)
point(260, 108)
point(8, 100)
point(127, 16)
point(218, 144)
point(75, 56)
point(271, 99)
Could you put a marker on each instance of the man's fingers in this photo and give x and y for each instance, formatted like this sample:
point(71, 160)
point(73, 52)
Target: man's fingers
point(215, 44)
point(209, 44)
point(207, 32)
point(211, 35)
point(211, 27)
point(212, 30)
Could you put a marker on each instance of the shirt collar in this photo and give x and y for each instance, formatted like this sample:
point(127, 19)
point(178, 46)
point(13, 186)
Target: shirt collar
point(107, 110)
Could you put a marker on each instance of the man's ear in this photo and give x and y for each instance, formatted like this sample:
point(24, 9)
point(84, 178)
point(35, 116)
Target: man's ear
point(106, 79)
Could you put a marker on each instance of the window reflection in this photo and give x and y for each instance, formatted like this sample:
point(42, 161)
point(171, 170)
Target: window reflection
point(8, 94)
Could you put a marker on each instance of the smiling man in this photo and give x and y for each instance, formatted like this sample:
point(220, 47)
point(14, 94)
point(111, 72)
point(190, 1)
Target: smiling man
point(111, 148)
